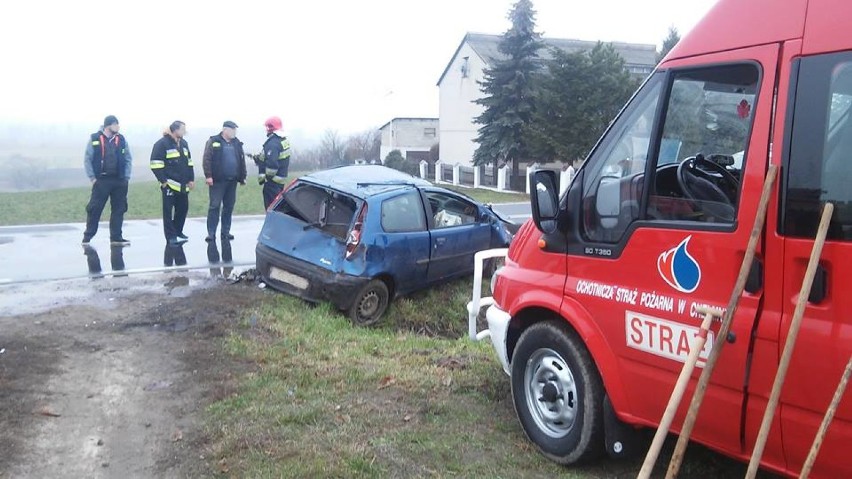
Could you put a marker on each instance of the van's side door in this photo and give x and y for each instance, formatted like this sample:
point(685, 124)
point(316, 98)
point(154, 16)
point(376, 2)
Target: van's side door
point(457, 233)
point(666, 207)
point(818, 169)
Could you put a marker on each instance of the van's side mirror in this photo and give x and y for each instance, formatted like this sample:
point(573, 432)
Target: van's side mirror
point(544, 198)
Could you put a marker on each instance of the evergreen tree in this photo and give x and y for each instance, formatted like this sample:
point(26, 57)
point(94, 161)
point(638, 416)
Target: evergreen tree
point(508, 99)
point(578, 95)
point(669, 43)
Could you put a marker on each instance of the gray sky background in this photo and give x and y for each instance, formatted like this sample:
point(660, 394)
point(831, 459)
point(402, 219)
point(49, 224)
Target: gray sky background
point(318, 64)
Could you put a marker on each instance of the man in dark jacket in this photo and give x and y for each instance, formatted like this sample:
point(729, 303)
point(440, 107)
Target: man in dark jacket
point(224, 167)
point(108, 165)
point(171, 163)
point(274, 161)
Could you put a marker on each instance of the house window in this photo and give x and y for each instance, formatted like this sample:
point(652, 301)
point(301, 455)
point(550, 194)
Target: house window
point(465, 67)
point(429, 132)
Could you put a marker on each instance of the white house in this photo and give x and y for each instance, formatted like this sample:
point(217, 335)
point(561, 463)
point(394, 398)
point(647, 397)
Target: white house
point(459, 86)
point(413, 137)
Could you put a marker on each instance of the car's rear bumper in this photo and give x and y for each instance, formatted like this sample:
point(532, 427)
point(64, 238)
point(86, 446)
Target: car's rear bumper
point(307, 281)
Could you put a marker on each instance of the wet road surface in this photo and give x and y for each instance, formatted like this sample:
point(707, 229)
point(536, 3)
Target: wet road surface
point(52, 252)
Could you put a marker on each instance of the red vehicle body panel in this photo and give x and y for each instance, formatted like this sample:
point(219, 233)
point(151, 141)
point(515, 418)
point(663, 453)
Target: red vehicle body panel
point(617, 304)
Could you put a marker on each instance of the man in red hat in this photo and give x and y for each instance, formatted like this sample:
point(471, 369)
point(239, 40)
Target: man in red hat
point(274, 161)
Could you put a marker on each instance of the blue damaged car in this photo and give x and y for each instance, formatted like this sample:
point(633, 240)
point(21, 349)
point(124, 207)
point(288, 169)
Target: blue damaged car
point(359, 236)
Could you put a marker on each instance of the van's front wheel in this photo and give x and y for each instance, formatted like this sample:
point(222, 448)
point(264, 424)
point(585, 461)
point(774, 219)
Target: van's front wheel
point(558, 394)
point(370, 303)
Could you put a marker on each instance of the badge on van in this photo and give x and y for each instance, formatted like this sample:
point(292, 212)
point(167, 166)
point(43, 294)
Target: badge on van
point(680, 269)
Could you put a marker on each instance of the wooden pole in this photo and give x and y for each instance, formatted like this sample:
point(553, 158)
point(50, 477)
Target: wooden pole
point(722, 337)
point(826, 421)
point(680, 387)
point(790, 344)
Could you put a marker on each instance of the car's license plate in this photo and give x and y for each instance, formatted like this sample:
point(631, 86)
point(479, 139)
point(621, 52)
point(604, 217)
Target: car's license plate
point(288, 278)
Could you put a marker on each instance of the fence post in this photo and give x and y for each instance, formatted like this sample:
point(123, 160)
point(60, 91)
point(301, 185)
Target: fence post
point(501, 178)
point(477, 176)
point(565, 181)
point(456, 174)
point(530, 172)
point(438, 169)
point(424, 167)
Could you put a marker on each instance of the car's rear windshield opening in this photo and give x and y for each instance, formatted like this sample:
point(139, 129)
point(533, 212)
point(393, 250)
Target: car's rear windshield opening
point(321, 208)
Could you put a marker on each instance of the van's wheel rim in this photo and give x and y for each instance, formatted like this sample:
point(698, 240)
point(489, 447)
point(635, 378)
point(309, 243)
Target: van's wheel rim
point(551, 393)
point(369, 305)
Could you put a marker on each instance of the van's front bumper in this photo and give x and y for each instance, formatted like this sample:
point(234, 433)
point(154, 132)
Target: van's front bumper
point(498, 327)
point(305, 280)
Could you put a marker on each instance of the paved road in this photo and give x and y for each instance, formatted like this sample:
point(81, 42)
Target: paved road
point(51, 252)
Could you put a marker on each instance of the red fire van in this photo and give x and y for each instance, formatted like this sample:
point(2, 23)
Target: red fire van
point(593, 313)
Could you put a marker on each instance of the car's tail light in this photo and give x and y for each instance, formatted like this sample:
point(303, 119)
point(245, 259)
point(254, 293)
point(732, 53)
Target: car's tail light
point(280, 194)
point(354, 238)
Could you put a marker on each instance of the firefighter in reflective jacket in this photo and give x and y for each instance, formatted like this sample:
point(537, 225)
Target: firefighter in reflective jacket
point(274, 161)
point(171, 163)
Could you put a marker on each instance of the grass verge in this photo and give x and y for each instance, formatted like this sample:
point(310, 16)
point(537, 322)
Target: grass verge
point(412, 397)
point(144, 202)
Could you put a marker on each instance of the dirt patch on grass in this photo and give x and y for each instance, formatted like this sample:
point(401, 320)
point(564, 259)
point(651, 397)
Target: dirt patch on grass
point(107, 387)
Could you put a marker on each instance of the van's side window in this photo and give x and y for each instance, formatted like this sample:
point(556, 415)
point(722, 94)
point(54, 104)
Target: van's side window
point(818, 161)
point(613, 186)
point(403, 214)
point(699, 164)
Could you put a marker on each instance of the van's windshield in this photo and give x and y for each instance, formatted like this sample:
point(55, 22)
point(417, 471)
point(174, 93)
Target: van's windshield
point(318, 207)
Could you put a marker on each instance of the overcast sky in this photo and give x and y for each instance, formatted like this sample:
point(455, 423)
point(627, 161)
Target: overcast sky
point(346, 64)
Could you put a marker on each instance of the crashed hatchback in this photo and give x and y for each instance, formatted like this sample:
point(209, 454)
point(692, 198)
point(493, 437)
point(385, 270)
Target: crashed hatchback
point(359, 236)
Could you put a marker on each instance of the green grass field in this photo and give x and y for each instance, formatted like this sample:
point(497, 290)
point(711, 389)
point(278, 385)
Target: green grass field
point(412, 397)
point(144, 202)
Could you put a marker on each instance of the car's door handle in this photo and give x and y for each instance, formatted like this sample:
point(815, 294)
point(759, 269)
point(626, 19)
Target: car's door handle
point(440, 241)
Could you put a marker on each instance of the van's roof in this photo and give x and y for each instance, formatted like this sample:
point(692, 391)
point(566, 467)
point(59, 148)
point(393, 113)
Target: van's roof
point(732, 24)
point(364, 181)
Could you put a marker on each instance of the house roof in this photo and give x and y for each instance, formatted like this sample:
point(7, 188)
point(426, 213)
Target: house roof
point(486, 47)
point(408, 119)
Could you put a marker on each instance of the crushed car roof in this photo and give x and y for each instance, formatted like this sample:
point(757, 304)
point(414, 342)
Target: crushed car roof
point(364, 181)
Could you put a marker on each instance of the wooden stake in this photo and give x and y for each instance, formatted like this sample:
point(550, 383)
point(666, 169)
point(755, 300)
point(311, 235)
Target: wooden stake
point(826, 421)
point(722, 337)
point(680, 387)
point(790, 344)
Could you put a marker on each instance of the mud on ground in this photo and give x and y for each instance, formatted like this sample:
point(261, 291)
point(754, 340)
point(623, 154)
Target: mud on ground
point(109, 378)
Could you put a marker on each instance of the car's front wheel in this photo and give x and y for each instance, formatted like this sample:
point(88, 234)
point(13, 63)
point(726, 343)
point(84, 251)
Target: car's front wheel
point(370, 303)
point(558, 394)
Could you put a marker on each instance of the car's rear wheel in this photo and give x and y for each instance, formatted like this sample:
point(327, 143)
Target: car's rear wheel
point(558, 394)
point(370, 303)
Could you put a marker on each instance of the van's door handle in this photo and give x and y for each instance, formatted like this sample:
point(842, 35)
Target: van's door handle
point(819, 290)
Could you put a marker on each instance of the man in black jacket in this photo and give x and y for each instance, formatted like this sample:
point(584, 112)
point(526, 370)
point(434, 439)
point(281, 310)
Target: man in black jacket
point(171, 163)
point(108, 165)
point(224, 167)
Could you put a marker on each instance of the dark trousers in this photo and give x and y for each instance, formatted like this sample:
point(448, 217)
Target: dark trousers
point(270, 191)
point(115, 190)
point(175, 208)
point(223, 196)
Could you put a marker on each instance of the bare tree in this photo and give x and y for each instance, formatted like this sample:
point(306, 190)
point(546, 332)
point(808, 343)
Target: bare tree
point(364, 146)
point(331, 149)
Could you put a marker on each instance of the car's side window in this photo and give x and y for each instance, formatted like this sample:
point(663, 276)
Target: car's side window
point(449, 211)
point(403, 214)
point(613, 185)
point(818, 160)
point(700, 159)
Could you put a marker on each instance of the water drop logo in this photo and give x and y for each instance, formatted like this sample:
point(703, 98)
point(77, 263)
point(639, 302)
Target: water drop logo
point(679, 269)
